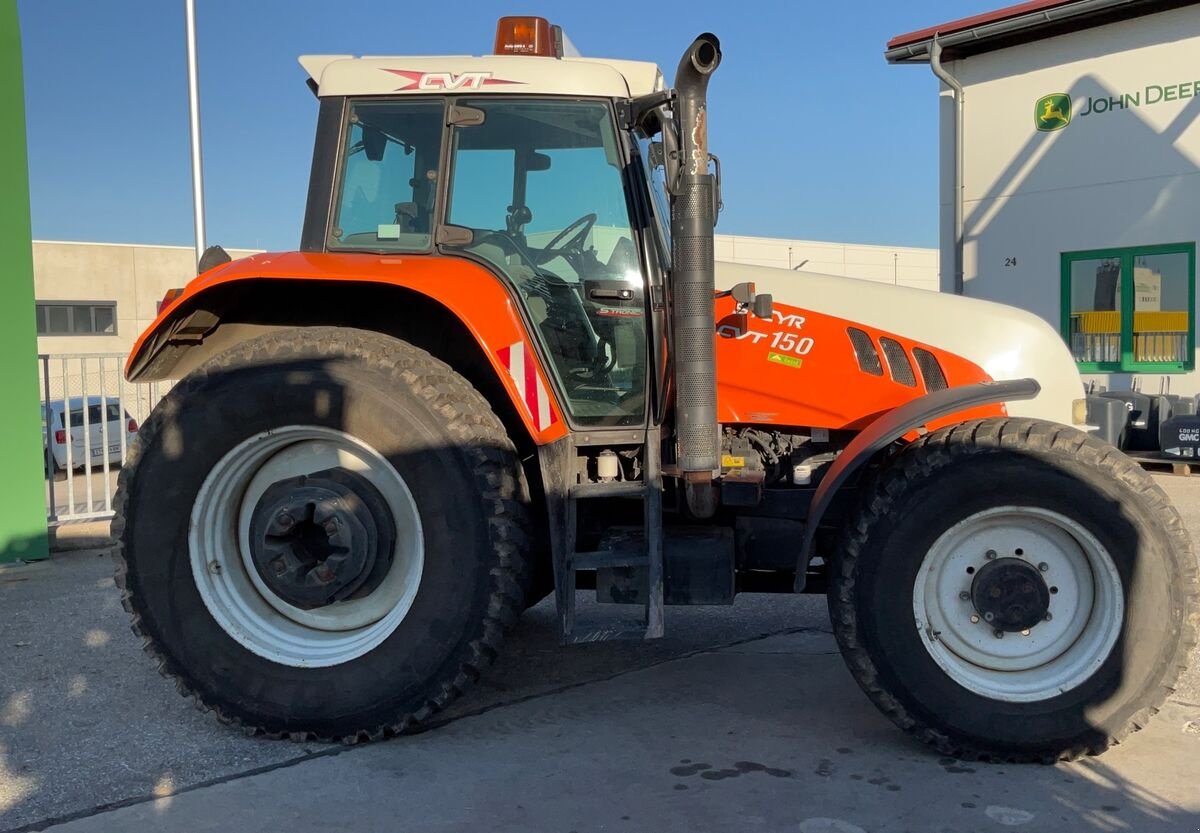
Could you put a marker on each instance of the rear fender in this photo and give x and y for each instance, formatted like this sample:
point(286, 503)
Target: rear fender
point(247, 297)
point(893, 425)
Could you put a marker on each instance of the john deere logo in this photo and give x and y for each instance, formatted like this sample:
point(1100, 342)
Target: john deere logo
point(1052, 112)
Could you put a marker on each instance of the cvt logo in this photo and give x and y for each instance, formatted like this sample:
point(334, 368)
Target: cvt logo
point(1052, 112)
point(447, 80)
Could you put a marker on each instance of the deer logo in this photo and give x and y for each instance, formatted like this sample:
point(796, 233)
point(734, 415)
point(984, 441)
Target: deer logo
point(1052, 112)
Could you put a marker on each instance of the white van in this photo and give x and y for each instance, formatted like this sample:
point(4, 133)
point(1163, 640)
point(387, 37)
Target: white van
point(89, 449)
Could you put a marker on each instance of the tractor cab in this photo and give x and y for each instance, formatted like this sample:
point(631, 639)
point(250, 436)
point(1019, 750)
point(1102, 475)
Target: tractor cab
point(490, 159)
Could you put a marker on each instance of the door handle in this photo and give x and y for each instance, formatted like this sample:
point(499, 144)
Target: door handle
point(606, 294)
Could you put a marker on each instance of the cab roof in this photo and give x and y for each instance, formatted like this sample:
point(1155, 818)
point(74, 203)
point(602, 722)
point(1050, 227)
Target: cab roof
point(339, 75)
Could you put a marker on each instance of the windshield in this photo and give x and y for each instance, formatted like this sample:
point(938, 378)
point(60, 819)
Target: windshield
point(541, 181)
point(389, 176)
point(541, 186)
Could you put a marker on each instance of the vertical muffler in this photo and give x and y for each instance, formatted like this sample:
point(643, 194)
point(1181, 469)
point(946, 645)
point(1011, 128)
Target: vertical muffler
point(693, 216)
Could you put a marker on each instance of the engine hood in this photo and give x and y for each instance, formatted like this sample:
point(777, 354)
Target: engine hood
point(1006, 342)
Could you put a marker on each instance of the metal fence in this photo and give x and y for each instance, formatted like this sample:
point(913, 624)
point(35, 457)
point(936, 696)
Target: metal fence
point(90, 415)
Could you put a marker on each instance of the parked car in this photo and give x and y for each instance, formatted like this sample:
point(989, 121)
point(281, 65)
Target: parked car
point(91, 452)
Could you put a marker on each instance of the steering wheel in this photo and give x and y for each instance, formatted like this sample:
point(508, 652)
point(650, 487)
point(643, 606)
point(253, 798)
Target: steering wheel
point(571, 237)
point(509, 244)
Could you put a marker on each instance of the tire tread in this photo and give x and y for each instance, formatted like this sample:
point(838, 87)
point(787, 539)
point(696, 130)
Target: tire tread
point(478, 432)
point(1049, 441)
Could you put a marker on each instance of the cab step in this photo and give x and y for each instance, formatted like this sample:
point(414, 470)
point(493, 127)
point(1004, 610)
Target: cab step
point(565, 487)
point(620, 488)
point(610, 558)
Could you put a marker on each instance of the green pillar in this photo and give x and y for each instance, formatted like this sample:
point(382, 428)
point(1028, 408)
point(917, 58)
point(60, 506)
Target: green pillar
point(22, 496)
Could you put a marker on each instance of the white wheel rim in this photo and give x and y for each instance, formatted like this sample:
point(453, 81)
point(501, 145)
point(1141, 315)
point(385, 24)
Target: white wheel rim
point(230, 585)
point(1087, 605)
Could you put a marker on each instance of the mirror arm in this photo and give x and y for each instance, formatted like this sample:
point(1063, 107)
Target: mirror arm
point(636, 109)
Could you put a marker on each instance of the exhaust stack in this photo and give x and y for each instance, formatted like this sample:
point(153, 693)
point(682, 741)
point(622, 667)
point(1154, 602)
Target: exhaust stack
point(693, 215)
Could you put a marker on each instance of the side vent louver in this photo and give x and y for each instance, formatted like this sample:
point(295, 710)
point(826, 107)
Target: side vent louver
point(898, 362)
point(864, 349)
point(931, 371)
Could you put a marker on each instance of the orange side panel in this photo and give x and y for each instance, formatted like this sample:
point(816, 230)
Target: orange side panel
point(800, 369)
point(469, 291)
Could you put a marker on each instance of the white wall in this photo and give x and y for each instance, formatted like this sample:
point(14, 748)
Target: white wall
point(134, 276)
point(1125, 177)
point(905, 266)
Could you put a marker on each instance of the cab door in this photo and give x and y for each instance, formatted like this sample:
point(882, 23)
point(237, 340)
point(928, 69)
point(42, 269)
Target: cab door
point(536, 190)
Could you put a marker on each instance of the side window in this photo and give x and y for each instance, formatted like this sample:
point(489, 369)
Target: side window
point(1163, 308)
point(483, 186)
point(57, 318)
point(1131, 309)
point(656, 178)
point(389, 176)
point(1094, 310)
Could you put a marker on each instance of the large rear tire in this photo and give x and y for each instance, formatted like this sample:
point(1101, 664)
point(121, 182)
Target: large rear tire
point(322, 534)
point(1015, 590)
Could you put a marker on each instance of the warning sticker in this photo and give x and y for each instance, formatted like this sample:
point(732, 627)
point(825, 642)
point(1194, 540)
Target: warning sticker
point(780, 358)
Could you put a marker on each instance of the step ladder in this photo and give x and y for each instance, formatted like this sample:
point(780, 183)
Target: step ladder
point(563, 493)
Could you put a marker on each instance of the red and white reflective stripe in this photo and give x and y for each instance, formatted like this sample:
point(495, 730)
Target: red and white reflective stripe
point(523, 370)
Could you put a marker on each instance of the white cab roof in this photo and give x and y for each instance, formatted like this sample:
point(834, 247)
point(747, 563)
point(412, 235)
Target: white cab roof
point(337, 75)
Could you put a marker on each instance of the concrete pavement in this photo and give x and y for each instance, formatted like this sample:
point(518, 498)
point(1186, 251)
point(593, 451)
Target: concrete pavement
point(743, 718)
point(769, 734)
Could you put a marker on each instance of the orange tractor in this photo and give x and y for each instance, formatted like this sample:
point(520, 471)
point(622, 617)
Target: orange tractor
point(504, 364)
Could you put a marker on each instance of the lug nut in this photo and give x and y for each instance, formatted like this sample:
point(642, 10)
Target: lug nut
point(999, 634)
point(280, 566)
point(1043, 566)
point(974, 619)
point(1049, 616)
point(989, 616)
point(1025, 632)
point(990, 554)
point(284, 519)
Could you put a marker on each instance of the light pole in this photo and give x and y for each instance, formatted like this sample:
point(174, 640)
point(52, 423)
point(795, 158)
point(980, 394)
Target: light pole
point(194, 114)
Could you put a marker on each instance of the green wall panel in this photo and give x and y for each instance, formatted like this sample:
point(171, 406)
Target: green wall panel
point(22, 495)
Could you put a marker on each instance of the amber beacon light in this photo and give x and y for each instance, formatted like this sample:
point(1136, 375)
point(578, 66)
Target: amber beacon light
point(526, 36)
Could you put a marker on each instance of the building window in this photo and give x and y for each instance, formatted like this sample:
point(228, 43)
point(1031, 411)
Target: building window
point(1131, 309)
point(76, 318)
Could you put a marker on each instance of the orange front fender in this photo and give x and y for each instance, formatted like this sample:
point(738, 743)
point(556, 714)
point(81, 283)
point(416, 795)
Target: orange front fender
point(471, 293)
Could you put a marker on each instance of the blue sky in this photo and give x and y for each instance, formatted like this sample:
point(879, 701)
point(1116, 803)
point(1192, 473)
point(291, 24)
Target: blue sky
point(819, 138)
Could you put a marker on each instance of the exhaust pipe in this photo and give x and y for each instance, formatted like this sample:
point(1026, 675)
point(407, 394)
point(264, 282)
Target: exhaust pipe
point(693, 280)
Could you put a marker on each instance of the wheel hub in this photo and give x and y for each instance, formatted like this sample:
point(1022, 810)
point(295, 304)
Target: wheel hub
point(1010, 594)
point(321, 538)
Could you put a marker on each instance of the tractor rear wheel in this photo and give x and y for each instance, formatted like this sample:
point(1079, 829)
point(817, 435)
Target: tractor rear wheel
point(1015, 590)
point(322, 534)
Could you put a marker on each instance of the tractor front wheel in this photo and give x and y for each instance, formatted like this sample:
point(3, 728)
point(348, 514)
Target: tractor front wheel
point(322, 534)
point(1015, 590)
